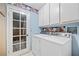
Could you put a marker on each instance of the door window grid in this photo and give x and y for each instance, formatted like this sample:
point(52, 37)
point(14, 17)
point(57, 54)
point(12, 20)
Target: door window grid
point(22, 33)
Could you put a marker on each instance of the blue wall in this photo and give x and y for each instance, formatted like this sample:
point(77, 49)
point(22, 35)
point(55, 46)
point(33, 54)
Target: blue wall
point(34, 25)
point(75, 45)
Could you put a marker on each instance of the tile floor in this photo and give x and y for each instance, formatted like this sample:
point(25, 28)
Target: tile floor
point(28, 54)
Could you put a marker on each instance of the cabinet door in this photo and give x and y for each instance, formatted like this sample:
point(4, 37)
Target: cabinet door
point(69, 12)
point(35, 46)
point(49, 48)
point(43, 47)
point(41, 17)
point(54, 13)
point(46, 14)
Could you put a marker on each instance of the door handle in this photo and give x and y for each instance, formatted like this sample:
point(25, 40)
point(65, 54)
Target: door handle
point(27, 35)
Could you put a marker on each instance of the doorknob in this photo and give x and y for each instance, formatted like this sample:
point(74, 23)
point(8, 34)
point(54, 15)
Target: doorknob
point(27, 35)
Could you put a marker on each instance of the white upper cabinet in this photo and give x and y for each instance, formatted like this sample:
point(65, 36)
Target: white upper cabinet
point(54, 13)
point(41, 17)
point(49, 14)
point(44, 15)
point(69, 12)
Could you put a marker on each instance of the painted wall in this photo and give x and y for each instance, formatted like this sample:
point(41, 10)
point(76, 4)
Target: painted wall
point(34, 28)
point(2, 30)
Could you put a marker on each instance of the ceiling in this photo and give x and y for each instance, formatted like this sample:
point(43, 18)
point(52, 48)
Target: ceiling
point(35, 5)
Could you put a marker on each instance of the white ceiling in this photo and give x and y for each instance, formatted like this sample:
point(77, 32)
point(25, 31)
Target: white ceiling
point(35, 5)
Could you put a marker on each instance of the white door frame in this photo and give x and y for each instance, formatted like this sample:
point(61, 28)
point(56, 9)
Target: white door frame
point(9, 34)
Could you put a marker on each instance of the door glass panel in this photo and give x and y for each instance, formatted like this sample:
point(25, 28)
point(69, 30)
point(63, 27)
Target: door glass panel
point(23, 17)
point(23, 31)
point(23, 45)
point(23, 24)
point(16, 16)
point(16, 24)
point(23, 38)
point(16, 31)
point(16, 47)
point(16, 40)
point(19, 31)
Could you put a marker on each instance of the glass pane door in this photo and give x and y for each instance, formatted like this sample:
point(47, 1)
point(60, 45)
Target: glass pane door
point(23, 31)
point(19, 31)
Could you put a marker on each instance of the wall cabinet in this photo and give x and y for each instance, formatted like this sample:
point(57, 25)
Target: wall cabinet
point(44, 15)
point(41, 16)
point(49, 14)
point(69, 12)
point(54, 13)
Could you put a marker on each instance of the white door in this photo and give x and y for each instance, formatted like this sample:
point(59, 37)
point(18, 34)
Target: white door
point(17, 31)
